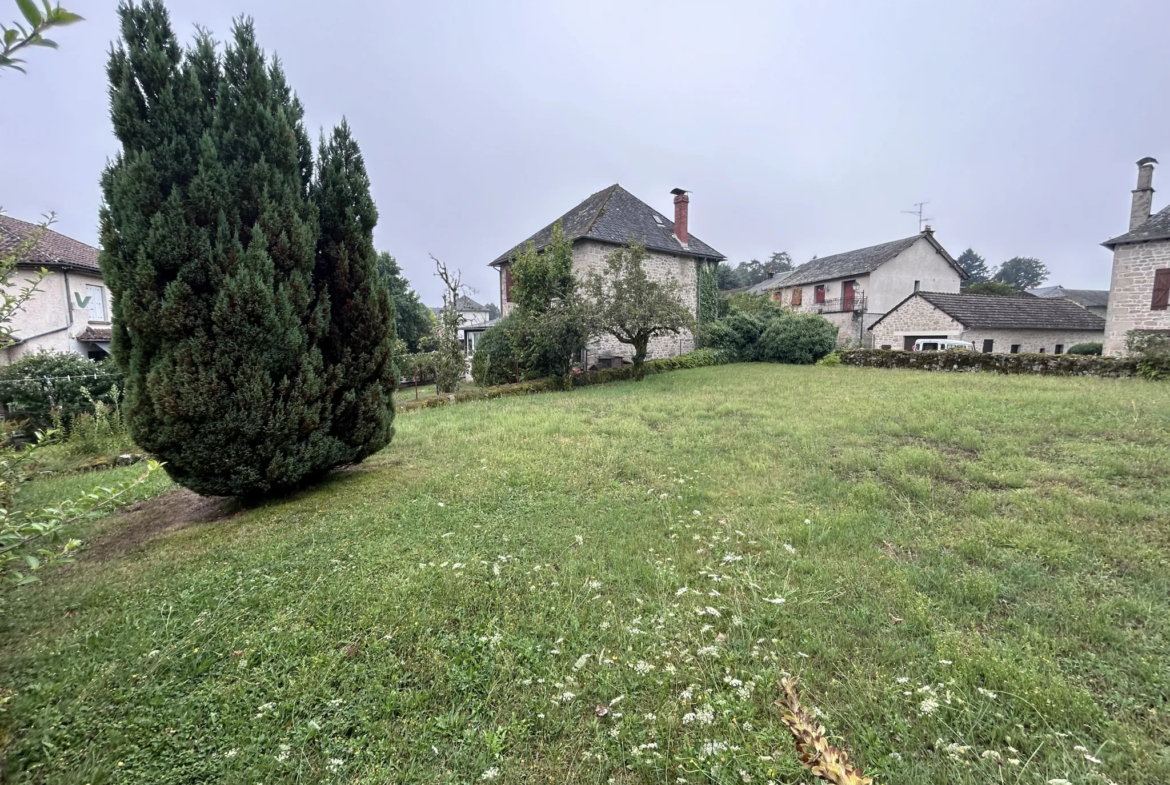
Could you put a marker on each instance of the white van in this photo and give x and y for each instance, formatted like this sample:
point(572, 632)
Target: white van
point(941, 345)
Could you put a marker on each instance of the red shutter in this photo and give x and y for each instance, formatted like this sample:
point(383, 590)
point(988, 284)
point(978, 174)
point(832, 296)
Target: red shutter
point(1161, 298)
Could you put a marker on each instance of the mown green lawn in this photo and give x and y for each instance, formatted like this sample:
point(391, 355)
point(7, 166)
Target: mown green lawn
point(968, 573)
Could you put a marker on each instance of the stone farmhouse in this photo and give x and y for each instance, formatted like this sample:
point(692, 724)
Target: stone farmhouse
point(1139, 292)
point(994, 324)
point(855, 289)
point(70, 311)
point(611, 218)
point(1094, 301)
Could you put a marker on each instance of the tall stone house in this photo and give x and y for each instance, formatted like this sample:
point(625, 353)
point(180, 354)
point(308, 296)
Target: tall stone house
point(855, 289)
point(70, 311)
point(1025, 324)
point(607, 220)
point(1139, 291)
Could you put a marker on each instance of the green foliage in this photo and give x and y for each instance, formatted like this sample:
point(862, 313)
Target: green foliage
point(14, 39)
point(100, 431)
point(832, 359)
point(247, 312)
point(1094, 347)
point(632, 307)
point(413, 321)
point(707, 292)
point(962, 360)
point(553, 321)
point(43, 386)
point(1022, 272)
point(998, 288)
point(357, 348)
point(450, 362)
point(797, 338)
point(496, 359)
point(33, 539)
point(753, 272)
point(1152, 352)
point(975, 266)
point(752, 303)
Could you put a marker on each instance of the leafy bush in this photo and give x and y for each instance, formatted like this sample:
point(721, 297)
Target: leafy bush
point(994, 362)
point(1085, 348)
point(101, 431)
point(59, 389)
point(768, 333)
point(833, 358)
point(797, 338)
point(1152, 352)
point(496, 359)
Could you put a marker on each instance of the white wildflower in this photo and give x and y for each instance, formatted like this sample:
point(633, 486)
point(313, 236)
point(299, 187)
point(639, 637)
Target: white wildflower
point(705, 715)
point(708, 651)
point(155, 653)
point(987, 693)
point(233, 752)
point(580, 663)
point(566, 697)
point(928, 706)
point(895, 756)
point(595, 584)
point(776, 600)
point(1091, 759)
point(688, 718)
point(902, 679)
point(696, 513)
point(642, 667)
point(712, 748)
point(495, 568)
point(579, 539)
point(945, 662)
point(650, 717)
point(991, 755)
point(335, 764)
point(711, 611)
point(1059, 781)
point(615, 731)
point(789, 548)
point(489, 774)
point(284, 753)
point(681, 592)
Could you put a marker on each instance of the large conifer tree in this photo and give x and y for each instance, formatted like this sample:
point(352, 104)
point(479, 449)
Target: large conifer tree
point(210, 244)
point(356, 346)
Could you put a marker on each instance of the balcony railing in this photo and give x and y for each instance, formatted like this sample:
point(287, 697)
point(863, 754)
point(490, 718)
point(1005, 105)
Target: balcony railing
point(855, 304)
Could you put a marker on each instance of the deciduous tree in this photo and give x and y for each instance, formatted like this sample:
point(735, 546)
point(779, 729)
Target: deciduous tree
point(1022, 272)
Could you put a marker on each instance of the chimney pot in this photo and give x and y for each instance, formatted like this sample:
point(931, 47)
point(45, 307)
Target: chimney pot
point(928, 229)
point(681, 208)
point(1143, 195)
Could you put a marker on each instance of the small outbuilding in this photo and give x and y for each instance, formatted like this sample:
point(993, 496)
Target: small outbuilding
point(1023, 324)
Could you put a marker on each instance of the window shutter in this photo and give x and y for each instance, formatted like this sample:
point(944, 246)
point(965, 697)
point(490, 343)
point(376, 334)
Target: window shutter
point(797, 295)
point(1161, 298)
point(508, 283)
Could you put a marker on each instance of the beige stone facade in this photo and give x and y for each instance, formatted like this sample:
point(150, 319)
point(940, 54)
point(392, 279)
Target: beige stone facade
point(589, 256)
point(916, 318)
point(1131, 291)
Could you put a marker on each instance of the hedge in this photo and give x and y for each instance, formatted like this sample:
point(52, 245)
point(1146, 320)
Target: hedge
point(1044, 364)
point(699, 358)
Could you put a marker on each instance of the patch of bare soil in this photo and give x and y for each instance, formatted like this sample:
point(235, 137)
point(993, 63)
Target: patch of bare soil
point(138, 524)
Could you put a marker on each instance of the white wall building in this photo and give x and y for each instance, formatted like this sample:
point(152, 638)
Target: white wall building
point(855, 289)
point(70, 311)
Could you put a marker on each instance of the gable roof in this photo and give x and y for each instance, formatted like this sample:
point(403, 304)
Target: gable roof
point(463, 303)
point(861, 261)
point(1156, 227)
point(1086, 298)
point(52, 250)
point(995, 312)
point(614, 216)
point(768, 284)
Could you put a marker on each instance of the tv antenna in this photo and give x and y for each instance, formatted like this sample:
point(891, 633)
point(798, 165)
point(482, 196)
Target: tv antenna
point(918, 212)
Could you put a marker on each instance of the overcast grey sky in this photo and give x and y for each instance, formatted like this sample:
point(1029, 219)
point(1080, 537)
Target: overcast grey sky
point(798, 126)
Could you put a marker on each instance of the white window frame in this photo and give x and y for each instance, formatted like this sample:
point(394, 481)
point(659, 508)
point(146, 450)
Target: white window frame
point(97, 297)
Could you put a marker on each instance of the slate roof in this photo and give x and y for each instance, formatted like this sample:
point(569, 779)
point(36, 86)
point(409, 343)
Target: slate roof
point(768, 284)
point(614, 216)
point(53, 250)
point(1086, 298)
point(1022, 313)
point(1156, 227)
point(861, 261)
point(464, 303)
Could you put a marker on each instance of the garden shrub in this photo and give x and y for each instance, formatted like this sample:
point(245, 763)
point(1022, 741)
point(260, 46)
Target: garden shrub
point(60, 390)
point(1085, 348)
point(1151, 350)
point(963, 360)
point(797, 338)
point(496, 360)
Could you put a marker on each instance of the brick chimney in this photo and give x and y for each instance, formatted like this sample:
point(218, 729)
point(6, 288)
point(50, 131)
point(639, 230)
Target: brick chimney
point(1143, 195)
point(681, 208)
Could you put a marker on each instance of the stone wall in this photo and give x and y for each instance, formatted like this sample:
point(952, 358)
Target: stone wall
point(589, 255)
point(1131, 290)
point(915, 317)
point(918, 318)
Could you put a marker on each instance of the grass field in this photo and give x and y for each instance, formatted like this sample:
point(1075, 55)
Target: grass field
point(968, 573)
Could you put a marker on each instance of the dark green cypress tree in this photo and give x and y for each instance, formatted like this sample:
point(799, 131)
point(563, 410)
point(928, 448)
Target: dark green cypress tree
point(357, 344)
point(210, 241)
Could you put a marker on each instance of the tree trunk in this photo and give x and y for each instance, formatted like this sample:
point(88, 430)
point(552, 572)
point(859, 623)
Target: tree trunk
point(640, 357)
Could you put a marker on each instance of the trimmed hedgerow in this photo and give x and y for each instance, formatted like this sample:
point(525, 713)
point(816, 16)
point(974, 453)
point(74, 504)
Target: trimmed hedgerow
point(699, 358)
point(1086, 348)
point(1045, 364)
